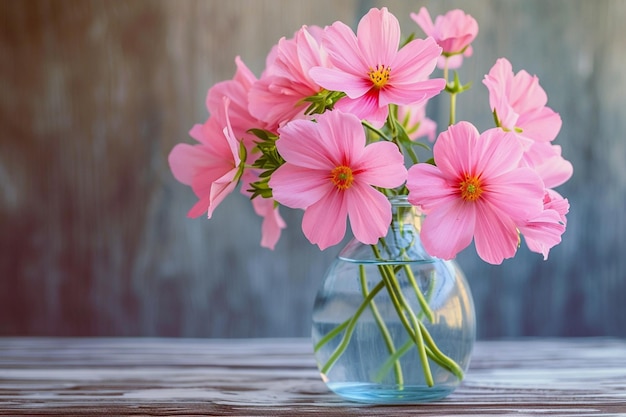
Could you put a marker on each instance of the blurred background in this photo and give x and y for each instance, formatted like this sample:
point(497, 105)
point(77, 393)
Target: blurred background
point(94, 238)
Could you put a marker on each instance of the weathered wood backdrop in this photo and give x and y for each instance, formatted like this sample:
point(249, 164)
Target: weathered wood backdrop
point(93, 234)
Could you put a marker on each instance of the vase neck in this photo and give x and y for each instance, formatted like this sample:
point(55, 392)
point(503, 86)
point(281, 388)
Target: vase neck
point(404, 214)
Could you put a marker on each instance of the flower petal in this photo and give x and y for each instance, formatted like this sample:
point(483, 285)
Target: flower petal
point(199, 208)
point(343, 49)
point(324, 223)
point(541, 125)
point(454, 149)
point(382, 165)
point(342, 137)
point(337, 80)
point(496, 235)
point(370, 213)
point(496, 151)
point(543, 232)
point(220, 189)
point(298, 187)
point(519, 193)
point(378, 35)
point(428, 187)
point(415, 62)
point(272, 224)
point(411, 94)
point(547, 161)
point(300, 144)
point(365, 107)
point(184, 161)
point(526, 94)
point(449, 229)
point(424, 21)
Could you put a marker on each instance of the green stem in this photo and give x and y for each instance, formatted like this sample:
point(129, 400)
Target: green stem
point(452, 108)
point(418, 293)
point(373, 129)
point(452, 95)
point(392, 359)
point(448, 362)
point(439, 358)
point(402, 305)
point(350, 329)
point(431, 347)
point(409, 272)
point(421, 334)
point(383, 328)
point(331, 335)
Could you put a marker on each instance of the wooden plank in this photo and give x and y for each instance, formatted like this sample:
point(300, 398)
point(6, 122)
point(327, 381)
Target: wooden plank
point(56, 376)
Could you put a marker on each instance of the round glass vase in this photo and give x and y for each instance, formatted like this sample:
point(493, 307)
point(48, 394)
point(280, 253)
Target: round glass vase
point(392, 324)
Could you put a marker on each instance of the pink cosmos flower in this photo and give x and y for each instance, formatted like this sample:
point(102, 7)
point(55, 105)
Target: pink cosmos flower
point(413, 118)
point(236, 90)
point(520, 104)
point(477, 190)
point(544, 231)
point(213, 167)
point(370, 69)
point(330, 173)
point(277, 97)
point(454, 32)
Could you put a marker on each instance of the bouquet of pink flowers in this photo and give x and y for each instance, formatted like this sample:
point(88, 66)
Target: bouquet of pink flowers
point(327, 126)
point(335, 118)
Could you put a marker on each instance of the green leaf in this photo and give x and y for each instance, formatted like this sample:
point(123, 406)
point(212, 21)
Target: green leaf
point(264, 135)
point(407, 40)
point(403, 137)
point(496, 119)
point(260, 188)
point(321, 101)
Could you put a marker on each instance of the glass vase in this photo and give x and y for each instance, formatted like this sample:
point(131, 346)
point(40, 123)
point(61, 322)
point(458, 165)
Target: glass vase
point(392, 324)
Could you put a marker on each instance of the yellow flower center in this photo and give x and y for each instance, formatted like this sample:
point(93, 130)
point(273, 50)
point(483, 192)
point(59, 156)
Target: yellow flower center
point(470, 188)
point(342, 177)
point(379, 75)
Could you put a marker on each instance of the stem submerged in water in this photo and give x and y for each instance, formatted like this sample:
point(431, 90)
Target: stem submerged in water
point(419, 336)
point(349, 329)
point(383, 328)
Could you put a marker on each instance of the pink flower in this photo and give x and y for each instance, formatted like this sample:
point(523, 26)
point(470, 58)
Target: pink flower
point(371, 70)
point(477, 190)
point(520, 104)
point(277, 97)
point(413, 118)
point(330, 173)
point(544, 231)
point(454, 32)
point(236, 90)
point(211, 168)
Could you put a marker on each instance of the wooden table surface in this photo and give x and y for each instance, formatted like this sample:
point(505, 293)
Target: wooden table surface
point(278, 377)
